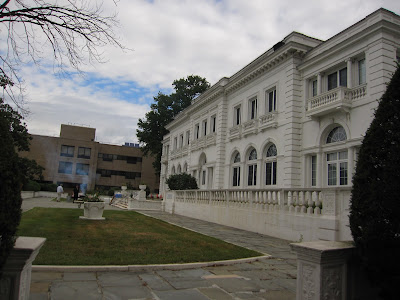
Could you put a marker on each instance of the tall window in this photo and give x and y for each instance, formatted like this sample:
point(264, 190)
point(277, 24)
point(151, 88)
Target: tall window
point(213, 123)
point(175, 143)
point(236, 170)
point(337, 162)
point(84, 152)
point(237, 116)
point(188, 137)
point(67, 151)
point(253, 108)
point(252, 168)
point(339, 76)
point(313, 170)
point(181, 141)
point(271, 98)
point(270, 165)
point(65, 167)
point(82, 169)
point(314, 87)
point(197, 129)
point(203, 177)
point(362, 78)
point(337, 168)
point(204, 127)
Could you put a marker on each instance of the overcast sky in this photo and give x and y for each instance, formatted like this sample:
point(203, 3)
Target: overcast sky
point(171, 39)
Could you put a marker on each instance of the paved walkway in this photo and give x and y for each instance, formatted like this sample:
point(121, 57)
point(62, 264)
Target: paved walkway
point(268, 278)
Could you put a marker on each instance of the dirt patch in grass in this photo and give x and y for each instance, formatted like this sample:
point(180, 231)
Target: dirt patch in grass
point(124, 238)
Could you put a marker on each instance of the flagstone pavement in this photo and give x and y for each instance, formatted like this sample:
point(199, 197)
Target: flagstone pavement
point(271, 277)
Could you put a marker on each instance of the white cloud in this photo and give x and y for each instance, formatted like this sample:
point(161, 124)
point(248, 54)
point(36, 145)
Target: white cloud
point(175, 38)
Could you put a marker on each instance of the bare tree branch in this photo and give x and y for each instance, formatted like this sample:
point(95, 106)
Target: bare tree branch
point(74, 29)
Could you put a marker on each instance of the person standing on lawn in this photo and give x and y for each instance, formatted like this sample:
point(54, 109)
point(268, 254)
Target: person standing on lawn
point(60, 190)
point(76, 193)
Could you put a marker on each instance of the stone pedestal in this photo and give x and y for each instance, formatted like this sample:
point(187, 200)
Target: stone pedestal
point(16, 280)
point(93, 211)
point(142, 192)
point(322, 269)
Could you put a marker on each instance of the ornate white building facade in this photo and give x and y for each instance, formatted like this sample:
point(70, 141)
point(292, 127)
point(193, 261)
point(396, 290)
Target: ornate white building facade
point(285, 130)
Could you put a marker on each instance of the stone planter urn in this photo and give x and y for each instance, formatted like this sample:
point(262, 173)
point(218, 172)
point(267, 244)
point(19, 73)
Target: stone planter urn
point(93, 211)
point(142, 192)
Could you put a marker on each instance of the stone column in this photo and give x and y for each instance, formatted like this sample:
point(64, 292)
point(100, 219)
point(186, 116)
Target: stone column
point(322, 269)
point(349, 62)
point(319, 84)
point(16, 280)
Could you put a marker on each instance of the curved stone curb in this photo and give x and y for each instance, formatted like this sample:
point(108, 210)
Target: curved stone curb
point(130, 268)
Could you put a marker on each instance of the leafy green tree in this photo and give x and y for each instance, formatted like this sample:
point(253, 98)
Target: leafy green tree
point(182, 182)
point(13, 136)
point(152, 129)
point(375, 203)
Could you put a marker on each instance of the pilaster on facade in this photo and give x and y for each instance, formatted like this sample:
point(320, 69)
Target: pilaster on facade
point(222, 118)
point(292, 135)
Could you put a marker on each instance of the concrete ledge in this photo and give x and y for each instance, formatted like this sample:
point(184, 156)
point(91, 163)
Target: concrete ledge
point(128, 268)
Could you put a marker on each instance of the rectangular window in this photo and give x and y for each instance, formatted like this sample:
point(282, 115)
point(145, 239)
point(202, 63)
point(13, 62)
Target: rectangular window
point(253, 108)
point(237, 115)
point(313, 170)
point(337, 168)
point(270, 173)
point(175, 143)
point(236, 176)
point(204, 127)
point(181, 141)
point(67, 151)
point(271, 105)
point(107, 157)
point(187, 137)
point(213, 124)
point(203, 180)
point(252, 176)
point(332, 81)
point(84, 152)
point(65, 167)
point(82, 169)
point(343, 77)
point(362, 78)
point(197, 131)
point(314, 87)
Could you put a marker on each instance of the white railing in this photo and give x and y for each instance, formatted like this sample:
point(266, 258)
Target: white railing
point(308, 201)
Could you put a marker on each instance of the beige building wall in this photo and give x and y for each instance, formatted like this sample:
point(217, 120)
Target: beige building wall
point(75, 158)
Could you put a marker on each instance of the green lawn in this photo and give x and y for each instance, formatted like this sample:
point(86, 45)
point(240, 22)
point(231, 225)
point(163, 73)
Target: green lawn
point(124, 238)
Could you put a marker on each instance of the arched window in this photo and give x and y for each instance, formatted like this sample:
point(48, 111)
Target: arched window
point(271, 165)
point(236, 170)
point(185, 168)
point(252, 168)
point(179, 169)
point(337, 134)
point(173, 170)
point(337, 161)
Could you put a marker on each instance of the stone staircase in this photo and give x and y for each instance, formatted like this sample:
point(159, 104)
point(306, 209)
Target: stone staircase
point(121, 203)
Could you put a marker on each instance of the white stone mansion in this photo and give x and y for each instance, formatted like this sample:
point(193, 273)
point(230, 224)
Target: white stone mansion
point(272, 142)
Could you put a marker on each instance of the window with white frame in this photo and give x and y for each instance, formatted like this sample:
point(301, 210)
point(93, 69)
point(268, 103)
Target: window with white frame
point(213, 124)
point(271, 100)
point(337, 161)
point(237, 115)
point(253, 108)
point(338, 78)
point(175, 143)
point(204, 127)
point(236, 170)
point(313, 170)
point(252, 168)
point(197, 131)
point(271, 165)
point(188, 137)
point(362, 76)
point(181, 141)
point(314, 87)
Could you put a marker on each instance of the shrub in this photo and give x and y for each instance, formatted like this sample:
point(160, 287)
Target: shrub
point(182, 182)
point(48, 187)
point(375, 205)
point(31, 185)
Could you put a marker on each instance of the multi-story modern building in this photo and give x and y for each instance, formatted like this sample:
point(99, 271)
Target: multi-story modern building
point(76, 158)
point(293, 118)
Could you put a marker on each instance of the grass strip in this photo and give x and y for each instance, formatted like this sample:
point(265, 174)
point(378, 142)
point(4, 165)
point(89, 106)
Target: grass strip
point(124, 238)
